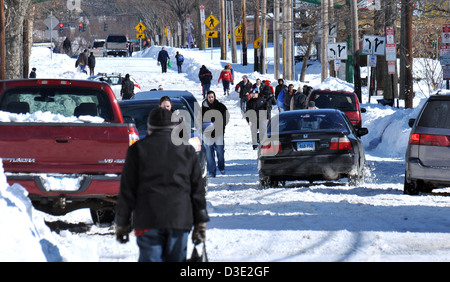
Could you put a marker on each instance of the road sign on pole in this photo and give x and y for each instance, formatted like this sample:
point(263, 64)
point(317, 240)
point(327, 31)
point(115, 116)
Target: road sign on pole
point(212, 34)
point(211, 22)
point(446, 33)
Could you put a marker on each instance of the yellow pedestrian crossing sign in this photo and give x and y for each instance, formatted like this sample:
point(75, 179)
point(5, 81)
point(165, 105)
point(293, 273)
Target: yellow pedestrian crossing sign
point(140, 28)
point(211, 22)
point(212, 34)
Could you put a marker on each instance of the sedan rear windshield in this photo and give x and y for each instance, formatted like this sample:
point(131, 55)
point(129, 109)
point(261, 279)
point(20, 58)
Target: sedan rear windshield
point(57, 100)
point(334, 100)
point(98, 44)
point(311, 122)
point(436, 114)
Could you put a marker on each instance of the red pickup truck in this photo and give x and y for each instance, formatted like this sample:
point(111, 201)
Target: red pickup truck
point(65, 141)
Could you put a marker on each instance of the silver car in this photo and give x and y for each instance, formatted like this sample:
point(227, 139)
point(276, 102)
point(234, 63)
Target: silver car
point(98, 48)
point(428, 152)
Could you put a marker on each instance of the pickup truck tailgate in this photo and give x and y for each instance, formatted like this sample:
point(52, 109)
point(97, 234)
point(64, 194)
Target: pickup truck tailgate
point(64, 147)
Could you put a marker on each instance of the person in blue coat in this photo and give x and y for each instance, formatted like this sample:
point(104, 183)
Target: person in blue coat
point(163, 57)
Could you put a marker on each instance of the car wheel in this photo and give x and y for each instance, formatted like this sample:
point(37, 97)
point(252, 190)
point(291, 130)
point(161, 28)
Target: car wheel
point(411, 188)
point(102, 216)
point(266, 182)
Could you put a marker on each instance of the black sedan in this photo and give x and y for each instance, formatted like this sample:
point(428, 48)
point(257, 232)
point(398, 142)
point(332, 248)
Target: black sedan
point(311, 145)
point(137, 112)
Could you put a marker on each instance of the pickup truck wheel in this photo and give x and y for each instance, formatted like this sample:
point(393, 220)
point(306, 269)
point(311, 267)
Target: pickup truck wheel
point(102, 216)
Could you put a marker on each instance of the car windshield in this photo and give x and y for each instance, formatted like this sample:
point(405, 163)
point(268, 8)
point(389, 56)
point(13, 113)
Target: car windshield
point(65, 101)
point(334, 100)
point(304, 122)
point(436, 114)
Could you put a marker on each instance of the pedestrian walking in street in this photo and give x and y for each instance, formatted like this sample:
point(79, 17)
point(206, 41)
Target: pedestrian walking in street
point(267, 93)
point(82, 61)
point(67, 46)
point(163, 57)
point(91, 64)
point(245, 88)
point(256, 115)
point(298, 100)
point(216, 112)
point(205, 77)
point(127, 90)
point(288, 94)
point(162, 194)
point(180, 59)
point(227, 78)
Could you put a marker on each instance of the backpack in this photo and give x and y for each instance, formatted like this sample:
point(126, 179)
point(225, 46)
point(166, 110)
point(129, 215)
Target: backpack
point(266, 91)
point(180, 58)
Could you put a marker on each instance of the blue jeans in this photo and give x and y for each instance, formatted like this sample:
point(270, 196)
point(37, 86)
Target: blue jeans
point(179, 68)
point(163, 245)
point(218, 148)
point(205, 89)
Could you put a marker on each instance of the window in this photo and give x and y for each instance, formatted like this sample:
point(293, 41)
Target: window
point(64, 101)
point(436, 114)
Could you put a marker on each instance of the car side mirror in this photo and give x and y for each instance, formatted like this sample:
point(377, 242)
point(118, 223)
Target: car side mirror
point(363, 110)
point(411, 122)
point(363, 131)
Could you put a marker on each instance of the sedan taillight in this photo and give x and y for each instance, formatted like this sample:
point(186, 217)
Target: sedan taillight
point(340, 143)
point(271, 149)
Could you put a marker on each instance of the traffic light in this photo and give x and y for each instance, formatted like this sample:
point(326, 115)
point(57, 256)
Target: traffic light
point(105, 27)
point(80, 27)
point(61, 25)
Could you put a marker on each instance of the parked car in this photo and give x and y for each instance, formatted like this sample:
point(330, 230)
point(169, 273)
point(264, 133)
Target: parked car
point(345, 101)
point(115, 81)
point(137, 111)
point(188, 96)
point(428, 154)
point(88, 156)
point(98, 48)
point(311, 145)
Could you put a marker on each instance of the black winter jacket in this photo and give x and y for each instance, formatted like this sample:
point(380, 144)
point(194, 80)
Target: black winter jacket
point(162, 184)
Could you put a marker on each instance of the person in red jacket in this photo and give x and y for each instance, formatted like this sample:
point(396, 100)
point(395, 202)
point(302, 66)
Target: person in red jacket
point(227, 78)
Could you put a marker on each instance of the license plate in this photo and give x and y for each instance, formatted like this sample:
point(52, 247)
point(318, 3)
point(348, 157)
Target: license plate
point(306, 146)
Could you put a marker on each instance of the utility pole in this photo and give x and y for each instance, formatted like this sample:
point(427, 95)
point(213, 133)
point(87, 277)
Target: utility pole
point(232, 35)
point(276, 39)
point(2, 41)
point(324, 40)
point(223, 32)
point(406, 59)
point(256, 33)
point(244, 33)
point(355, 45)
point(263, 37)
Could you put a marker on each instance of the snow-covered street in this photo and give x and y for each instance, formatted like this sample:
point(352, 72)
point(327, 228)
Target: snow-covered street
point(322, 221)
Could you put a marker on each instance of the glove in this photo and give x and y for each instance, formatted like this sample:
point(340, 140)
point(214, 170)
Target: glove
point(122, 234)
point(199, 233)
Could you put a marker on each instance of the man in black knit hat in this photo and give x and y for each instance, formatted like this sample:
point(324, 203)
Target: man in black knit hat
point(161, 186)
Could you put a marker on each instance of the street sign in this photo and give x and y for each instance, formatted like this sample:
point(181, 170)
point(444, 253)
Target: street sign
point(212, 34)
point(238, 33)
point(446, 72)
point(257, 43)
point(337, 51)
point(211, 22)
point(332, 30)
point(391, 52)
point(373, 45)
point(140, 36)
point(445, 54)
point(391, 67)
point(372, 61)
point(446, 33)
point(53, 34)
point(140, 28)
point(389, 35)
point(202, 19)
point(51, 22)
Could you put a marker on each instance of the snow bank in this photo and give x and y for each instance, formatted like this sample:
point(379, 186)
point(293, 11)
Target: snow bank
point(24, 236)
